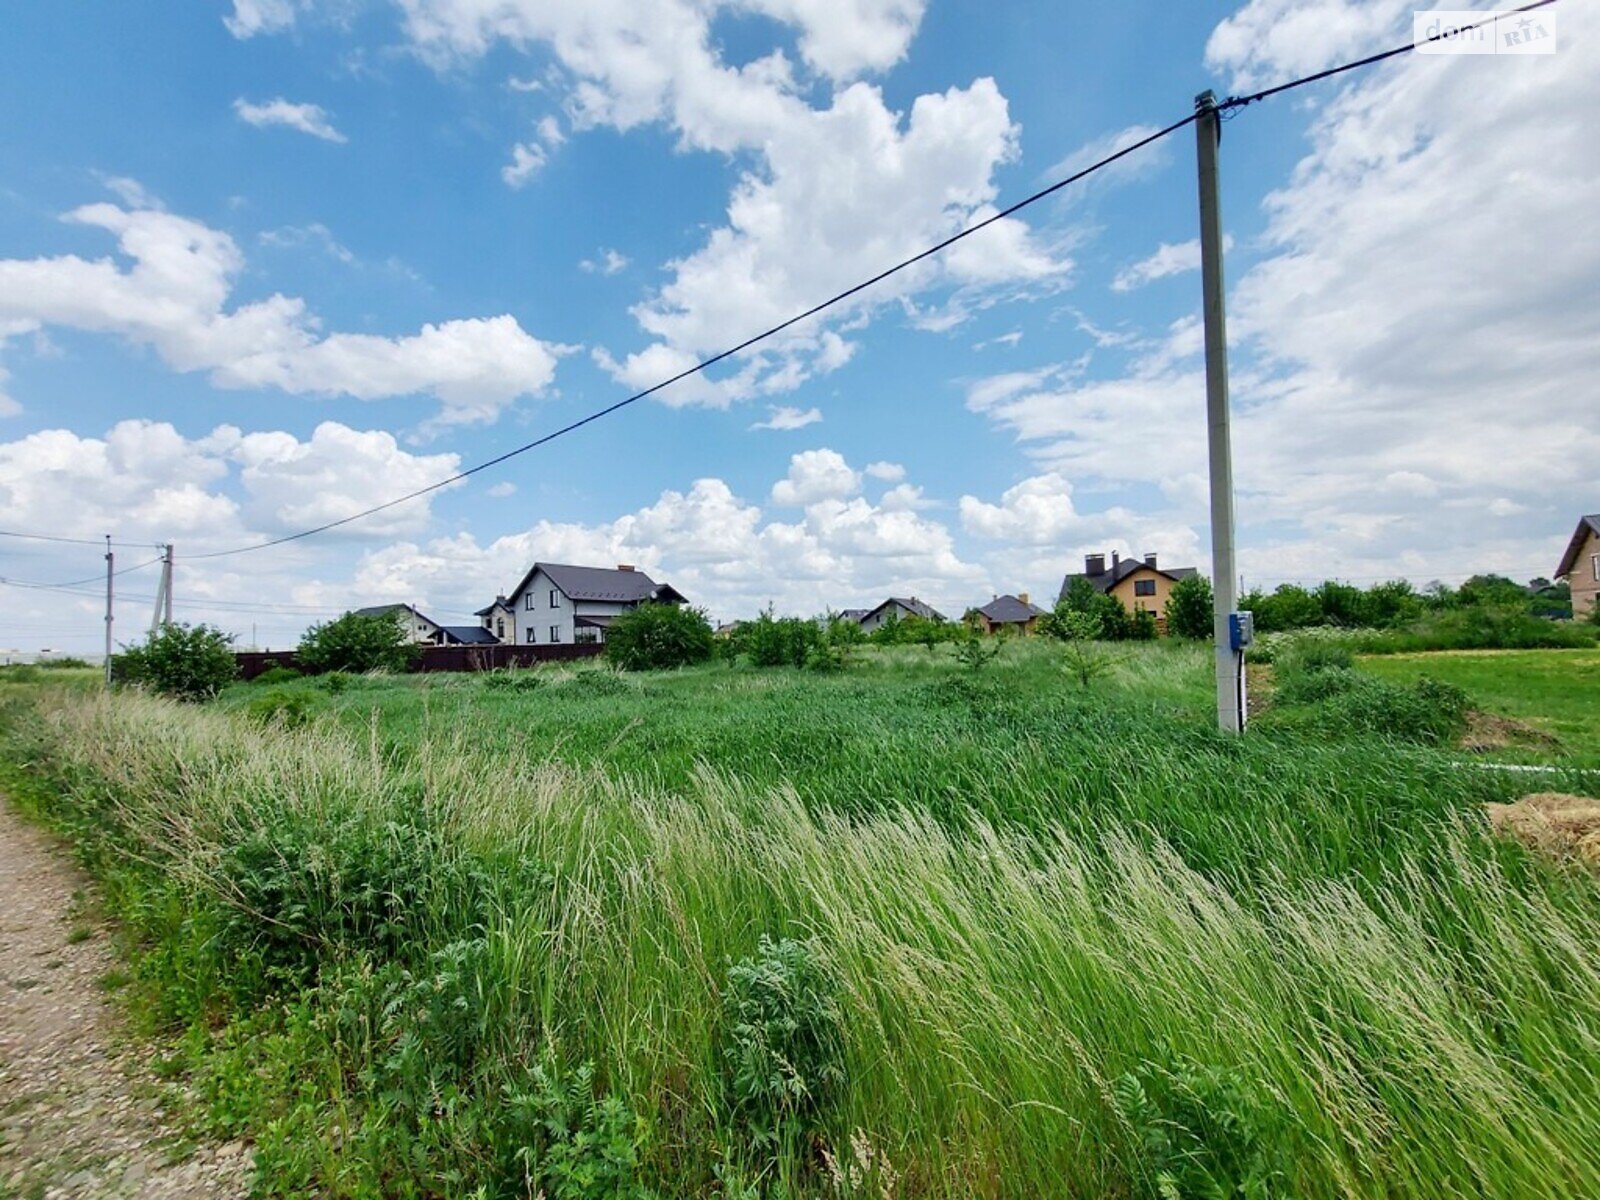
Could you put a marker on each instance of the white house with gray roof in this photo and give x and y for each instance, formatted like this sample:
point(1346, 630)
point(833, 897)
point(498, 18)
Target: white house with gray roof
point(558, 604)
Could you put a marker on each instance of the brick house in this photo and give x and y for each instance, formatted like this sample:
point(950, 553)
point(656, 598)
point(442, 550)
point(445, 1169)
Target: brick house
point(1580, 566)
point(1140, 583)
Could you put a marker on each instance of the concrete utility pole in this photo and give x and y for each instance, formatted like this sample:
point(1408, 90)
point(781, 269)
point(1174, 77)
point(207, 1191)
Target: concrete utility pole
point(166, 586)
point(1231, 634)
point(110, 564)
point(163, 609)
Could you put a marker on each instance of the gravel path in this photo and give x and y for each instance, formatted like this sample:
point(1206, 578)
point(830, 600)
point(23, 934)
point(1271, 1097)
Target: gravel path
point(78, 1117)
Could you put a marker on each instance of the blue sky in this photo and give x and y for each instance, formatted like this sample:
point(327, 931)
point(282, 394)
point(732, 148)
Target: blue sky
point(265, 263)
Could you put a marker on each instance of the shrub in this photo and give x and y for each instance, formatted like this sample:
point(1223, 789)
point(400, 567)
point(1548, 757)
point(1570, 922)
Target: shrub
point(20, 673)
point(358, 642)
point(186, 662)
point(657, 637)
point(277, 674)
point(280, 707)
point(65, 663)
point(778, 642)
point(335, 682)
point(512, 679)
point(974, 651)
point(577, 1146)
point(301, 886)
point(1480, 627)
point(782, 1041)
point(1205, 1132)
point(596, 681)
point(1190, 608)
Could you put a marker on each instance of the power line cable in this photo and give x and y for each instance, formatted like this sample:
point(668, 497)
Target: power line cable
point(71, 541)
point(72, 583)
point(703, 364)
point(1227, 106)
point(1236, 102)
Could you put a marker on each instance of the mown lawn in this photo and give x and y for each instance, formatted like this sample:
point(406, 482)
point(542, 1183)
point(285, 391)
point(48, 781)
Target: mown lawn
point(1556, 691)
point(905, 930)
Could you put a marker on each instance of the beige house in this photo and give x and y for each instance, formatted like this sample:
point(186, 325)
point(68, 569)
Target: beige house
point(1580, 566)
point(1140, 583)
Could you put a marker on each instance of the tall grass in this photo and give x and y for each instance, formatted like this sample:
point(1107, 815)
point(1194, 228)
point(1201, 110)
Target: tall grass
point(1151, 963)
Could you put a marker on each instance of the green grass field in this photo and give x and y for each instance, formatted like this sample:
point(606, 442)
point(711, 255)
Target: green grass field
point(1555, 691)
point(906, 930)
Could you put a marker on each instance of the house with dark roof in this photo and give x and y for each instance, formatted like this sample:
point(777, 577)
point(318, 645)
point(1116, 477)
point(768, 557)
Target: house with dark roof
point(498, 619)
point(1140, 583)
point(420, 629)
point(1580, 566)
point(558, 603)
point(895, 608)
point(466, 635)
point(1008, 614)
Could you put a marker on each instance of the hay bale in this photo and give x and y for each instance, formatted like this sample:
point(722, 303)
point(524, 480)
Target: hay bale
point(1552, 823)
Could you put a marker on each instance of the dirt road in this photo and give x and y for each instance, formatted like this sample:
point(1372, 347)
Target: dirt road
point(78, 1117)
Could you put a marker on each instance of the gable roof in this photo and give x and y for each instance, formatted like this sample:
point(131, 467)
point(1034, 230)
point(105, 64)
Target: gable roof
point(911, 604)
point(1586, 526)
point(1009, 610)
point(468, 635)
point(1107, 580)
point(499, 602)
point(394, 610)
point(601, 583)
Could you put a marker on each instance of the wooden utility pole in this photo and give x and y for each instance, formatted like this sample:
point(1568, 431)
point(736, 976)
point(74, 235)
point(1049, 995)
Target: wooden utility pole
point(1228, 636)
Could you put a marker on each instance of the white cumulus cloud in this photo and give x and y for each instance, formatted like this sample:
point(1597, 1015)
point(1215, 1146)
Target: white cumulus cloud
point(306, 118)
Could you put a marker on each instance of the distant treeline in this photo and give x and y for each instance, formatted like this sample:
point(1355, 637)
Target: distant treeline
point(1395, 603)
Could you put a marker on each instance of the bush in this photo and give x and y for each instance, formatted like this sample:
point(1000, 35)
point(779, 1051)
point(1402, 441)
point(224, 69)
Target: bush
point(1205, 1132)
point(513, 679)
point(1481, 627)
point(186, 662)
point(277, 674)
point(280, 707)
point(782, 1041)
point(778, 642)
point(1190, 608)
point(65, 663)
point(658, 637)
point(358, 642)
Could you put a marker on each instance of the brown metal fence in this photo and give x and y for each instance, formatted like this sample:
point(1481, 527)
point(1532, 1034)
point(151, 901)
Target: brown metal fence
point(438, 658)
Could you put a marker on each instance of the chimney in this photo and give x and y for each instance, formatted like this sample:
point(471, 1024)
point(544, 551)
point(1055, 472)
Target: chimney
point(624, 566)
point(1023, 596)
point(1116, 560)
point(1094, 564)
point(1150, 561)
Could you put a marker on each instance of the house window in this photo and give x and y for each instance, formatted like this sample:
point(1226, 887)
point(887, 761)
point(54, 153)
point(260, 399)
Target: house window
point(1594, 561)
point(585, 636)
point(531, 638)
point(555, 598)
point(527, 602)
point(555, 633)
point(500, 629)
point(1144, 587)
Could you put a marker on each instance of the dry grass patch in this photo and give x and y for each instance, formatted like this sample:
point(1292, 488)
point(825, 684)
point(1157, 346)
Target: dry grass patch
point(1553, 823)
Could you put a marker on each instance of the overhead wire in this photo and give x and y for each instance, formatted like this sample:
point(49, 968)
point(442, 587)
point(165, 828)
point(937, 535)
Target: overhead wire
point(714, 359)
point(1225, 108)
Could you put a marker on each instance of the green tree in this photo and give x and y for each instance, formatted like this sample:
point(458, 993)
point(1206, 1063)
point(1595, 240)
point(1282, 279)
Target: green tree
point(1492, 591)
point(1190, 608)
point(770, 641)
point(186, 662)
point(656, 637)
point(357, 642)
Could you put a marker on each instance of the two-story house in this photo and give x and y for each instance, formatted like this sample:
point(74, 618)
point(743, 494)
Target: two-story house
point(1580, 566)
point(421, 629)
point(1138, 583)
point(556, 603)
point(895, 608)
point(499, 620)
